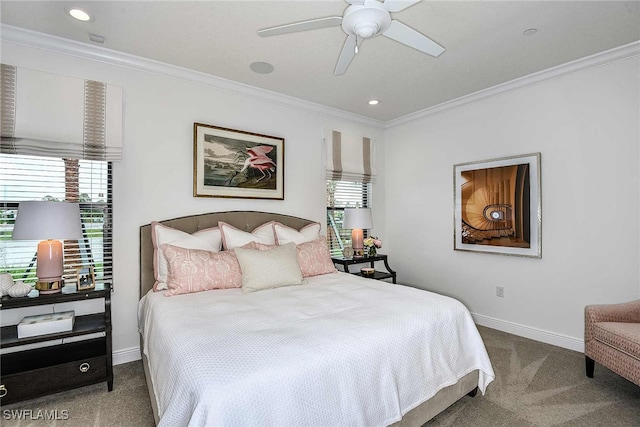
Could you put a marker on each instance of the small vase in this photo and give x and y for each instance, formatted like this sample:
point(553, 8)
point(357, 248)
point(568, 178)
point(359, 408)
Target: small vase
point(372, 251)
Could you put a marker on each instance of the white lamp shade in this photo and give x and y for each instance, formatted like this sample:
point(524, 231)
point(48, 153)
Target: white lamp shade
point(42, 220)
point(49, 222)
point(357, 218)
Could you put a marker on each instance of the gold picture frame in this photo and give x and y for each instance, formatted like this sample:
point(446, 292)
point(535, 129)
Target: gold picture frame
point(85, 277)
point(238, 164)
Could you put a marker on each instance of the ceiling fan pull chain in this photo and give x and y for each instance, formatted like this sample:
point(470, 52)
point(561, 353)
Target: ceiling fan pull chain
point(356, 49)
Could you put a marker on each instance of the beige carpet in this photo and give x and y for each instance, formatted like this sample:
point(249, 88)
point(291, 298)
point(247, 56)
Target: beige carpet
point(542, 385)
point(536, 385)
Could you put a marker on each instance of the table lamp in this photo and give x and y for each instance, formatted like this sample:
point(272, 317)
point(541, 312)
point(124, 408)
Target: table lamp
point(357, 219)
point(51, 221)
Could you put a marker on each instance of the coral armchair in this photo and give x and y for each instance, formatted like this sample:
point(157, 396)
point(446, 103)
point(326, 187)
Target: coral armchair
point(612, 338)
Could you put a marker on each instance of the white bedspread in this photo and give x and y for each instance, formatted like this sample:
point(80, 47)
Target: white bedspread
point(338, 351)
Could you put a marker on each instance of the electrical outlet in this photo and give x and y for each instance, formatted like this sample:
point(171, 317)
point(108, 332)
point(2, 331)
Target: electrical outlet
point(500, 291)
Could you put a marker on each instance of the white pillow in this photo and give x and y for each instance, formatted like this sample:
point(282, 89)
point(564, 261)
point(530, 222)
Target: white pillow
point(208, 240)
point(286, 234)
point(269, 269)
point(233, 237)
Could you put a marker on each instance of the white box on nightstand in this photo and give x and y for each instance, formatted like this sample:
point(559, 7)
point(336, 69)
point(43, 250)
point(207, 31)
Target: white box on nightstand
point(43, 324)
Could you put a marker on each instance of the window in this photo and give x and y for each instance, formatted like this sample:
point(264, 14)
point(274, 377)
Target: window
point(340, 195)
point(87, 182)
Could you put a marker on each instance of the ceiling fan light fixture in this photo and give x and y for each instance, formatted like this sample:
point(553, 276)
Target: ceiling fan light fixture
point(366, 29)
point(366, 21)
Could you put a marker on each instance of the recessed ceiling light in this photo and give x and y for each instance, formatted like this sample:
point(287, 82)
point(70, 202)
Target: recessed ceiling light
point(530, 31)
point(261, 67)
point(374, 102)
point(79, 14)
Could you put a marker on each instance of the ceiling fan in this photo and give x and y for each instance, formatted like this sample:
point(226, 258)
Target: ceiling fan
point(362, 20)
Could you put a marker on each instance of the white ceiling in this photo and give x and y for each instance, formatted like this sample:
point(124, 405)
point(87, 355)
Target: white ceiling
point(484, 42)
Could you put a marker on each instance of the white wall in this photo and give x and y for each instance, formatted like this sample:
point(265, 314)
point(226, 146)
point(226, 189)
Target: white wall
point(586, 126)
point(154, 181)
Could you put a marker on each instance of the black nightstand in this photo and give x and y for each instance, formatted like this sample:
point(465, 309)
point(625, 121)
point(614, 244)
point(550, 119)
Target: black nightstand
point(378, 275)
point(39, 371)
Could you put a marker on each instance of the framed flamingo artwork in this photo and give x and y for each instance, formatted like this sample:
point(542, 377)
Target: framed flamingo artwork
point(497, 206)
point(235, 163)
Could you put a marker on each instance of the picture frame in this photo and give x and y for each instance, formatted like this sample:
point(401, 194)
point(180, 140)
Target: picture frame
point(85, 277)
point(497, 206)
point(236, 163)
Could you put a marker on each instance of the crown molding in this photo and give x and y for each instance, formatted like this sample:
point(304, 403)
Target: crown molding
point(64, 46)
point(97, 53)
point(588, 62)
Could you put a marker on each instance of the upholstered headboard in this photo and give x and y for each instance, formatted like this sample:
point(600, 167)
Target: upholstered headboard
point(243, 220)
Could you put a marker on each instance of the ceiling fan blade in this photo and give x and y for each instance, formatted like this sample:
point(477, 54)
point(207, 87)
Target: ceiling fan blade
point(406, 35)
point(346, 56)
point(313, 24)
point(398, 5)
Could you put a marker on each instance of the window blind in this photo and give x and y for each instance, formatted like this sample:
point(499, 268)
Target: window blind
point(349, 157)
point(45, 114)
point(87, 182)
point(341, 195)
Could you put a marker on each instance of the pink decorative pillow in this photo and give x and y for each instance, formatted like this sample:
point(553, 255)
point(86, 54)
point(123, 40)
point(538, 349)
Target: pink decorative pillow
point(196, 270)
point(314, 258)
point(208, 239)
point(233, 237)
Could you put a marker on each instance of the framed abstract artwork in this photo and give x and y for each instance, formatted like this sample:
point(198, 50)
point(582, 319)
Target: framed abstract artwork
point(497, 206)
point(235, 163)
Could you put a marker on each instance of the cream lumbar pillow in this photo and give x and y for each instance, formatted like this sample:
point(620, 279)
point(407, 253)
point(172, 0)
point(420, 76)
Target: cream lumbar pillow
point(269, 269)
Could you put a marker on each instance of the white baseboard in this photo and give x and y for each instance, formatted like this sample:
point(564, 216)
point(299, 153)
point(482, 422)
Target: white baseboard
point(127, 355)
point(541, 335)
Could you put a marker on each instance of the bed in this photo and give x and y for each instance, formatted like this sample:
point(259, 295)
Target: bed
point(336, 350)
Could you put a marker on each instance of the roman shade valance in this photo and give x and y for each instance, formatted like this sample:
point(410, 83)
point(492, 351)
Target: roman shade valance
point(45, 114)
point(349, 157)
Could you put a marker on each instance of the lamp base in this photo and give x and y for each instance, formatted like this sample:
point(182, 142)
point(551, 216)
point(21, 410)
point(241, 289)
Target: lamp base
point(358, 252)
point(357, 242)
point(45, 288)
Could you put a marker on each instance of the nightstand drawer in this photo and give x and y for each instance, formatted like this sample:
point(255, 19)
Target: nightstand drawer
point(38, 382)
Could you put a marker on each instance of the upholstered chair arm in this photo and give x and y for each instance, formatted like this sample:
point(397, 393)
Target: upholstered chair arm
point(624, 312)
